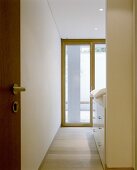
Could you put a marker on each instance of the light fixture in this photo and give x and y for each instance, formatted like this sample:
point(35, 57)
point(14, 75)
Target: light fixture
point(101, 9)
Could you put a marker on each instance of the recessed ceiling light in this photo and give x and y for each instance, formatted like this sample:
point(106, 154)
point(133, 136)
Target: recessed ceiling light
point(101, 9)
point(95, 28)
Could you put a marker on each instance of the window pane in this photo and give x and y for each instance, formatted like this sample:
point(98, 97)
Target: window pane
point(100, 66)
point(77, 83)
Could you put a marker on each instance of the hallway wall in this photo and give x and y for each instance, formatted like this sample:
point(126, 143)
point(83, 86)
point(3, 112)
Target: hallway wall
point(40, 74)
point(119, 84)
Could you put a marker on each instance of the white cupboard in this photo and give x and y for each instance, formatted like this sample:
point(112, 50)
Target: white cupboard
point(99, 109)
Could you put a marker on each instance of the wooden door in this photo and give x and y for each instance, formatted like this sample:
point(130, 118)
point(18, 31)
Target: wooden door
point(9, 74)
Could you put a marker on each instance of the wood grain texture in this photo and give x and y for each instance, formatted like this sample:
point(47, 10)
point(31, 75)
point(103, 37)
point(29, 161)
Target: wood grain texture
point(9, 73)
point(72, 149)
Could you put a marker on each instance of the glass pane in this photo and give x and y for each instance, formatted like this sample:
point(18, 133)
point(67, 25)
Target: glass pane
point(77, 84)
point(85, 84)
point(100, 66)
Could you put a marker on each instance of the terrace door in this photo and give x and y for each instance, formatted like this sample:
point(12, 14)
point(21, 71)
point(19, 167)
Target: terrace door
point(76, 83)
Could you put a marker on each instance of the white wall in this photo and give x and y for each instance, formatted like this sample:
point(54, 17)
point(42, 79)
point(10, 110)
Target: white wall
point(119, 83)
point(40, 72)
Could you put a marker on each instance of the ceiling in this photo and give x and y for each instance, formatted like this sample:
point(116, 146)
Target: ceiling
point(79, 19)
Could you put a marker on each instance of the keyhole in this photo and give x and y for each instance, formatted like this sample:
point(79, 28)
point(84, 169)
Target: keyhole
point(15, 106)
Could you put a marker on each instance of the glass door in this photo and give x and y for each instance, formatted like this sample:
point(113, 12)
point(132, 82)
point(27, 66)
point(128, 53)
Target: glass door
point(77, 79)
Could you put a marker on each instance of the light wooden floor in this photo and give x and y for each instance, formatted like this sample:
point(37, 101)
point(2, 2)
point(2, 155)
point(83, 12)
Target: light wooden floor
point(73, 149)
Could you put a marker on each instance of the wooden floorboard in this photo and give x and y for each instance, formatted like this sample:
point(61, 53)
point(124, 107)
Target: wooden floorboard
point(72, 149)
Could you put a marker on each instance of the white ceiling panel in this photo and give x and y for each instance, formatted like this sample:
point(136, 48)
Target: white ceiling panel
point(79, 18)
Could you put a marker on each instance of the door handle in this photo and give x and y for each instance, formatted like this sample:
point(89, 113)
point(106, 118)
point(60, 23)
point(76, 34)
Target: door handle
point(17, 89)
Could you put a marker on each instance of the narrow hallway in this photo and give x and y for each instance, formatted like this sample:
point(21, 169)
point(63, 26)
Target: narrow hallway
point(73, 149)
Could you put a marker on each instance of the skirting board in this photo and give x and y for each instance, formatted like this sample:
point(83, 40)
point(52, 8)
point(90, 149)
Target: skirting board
point(118, 168)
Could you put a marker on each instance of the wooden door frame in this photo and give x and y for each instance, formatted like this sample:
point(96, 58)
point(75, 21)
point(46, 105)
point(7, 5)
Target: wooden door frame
point(135, 85)
point(92, 43)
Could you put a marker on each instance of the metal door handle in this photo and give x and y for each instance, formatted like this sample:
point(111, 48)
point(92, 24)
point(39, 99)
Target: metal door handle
point(17, 89)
